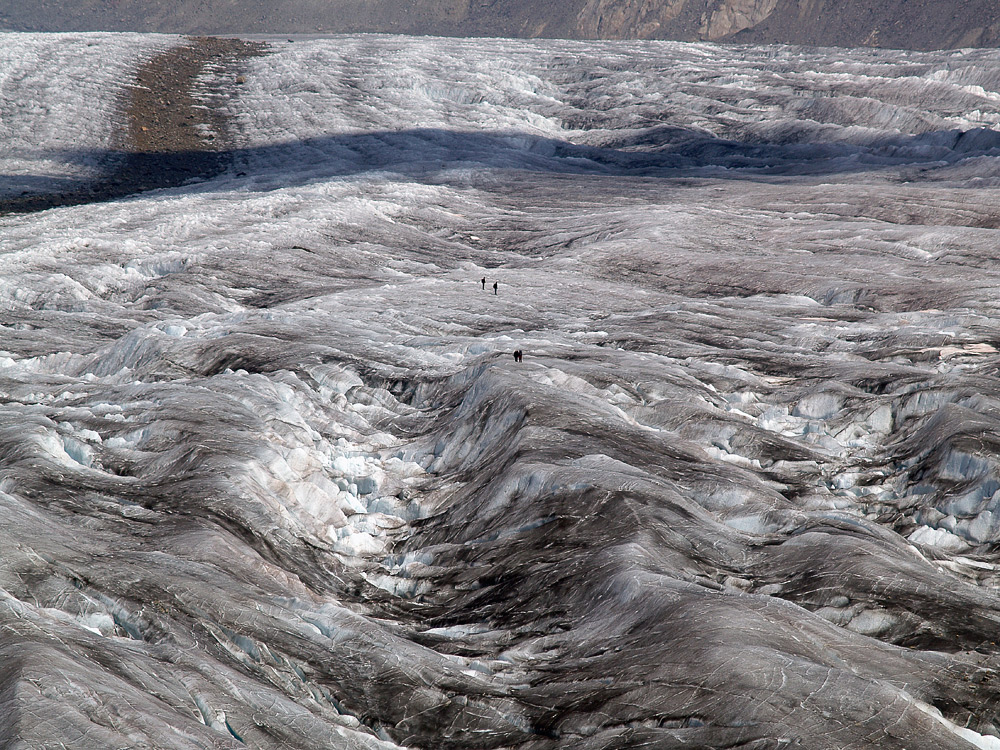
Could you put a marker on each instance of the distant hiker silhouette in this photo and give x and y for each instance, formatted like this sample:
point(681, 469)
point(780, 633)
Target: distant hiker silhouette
point(494, 287)
point(484, 283)
point(518, 355)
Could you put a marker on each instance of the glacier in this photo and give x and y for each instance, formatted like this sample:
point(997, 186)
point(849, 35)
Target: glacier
point(270, 475)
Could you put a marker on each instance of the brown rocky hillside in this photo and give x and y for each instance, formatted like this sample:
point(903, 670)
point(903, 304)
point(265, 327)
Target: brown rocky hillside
point(914, 24)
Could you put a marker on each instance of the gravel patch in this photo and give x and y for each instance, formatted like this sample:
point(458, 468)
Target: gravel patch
point(171, 136)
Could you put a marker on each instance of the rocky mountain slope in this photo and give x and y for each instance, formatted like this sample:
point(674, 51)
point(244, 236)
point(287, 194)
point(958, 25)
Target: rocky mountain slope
point(879, 23)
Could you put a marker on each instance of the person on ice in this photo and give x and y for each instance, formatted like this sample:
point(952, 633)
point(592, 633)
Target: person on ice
point(484, 283)
point(494, 287)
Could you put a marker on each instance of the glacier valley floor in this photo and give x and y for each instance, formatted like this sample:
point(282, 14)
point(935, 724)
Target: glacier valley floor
point(270, 475)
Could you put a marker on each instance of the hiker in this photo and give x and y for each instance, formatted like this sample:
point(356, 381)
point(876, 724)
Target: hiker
point(494, 287)
point(484, 283)
point(518, 355)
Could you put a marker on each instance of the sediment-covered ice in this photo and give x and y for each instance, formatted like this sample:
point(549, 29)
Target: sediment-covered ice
point(59, 105)
point(270, 476)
